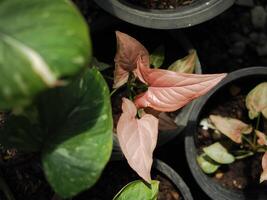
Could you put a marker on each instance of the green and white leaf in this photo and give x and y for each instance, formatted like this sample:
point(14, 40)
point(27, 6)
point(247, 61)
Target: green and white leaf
point(207, 164)
point(138, 190)
point(256, 101)
point(101, 66)
point(219, 154)
point(78, 120)
point(157, 57)
point(40, 42)
point(187, 64)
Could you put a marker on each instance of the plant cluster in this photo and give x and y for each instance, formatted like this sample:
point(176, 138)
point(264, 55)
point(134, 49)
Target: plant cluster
point(160, 89)
point(244, 139)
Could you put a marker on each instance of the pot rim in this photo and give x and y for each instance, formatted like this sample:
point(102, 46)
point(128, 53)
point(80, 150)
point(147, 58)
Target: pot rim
point(174, 177)
point(211, 188)
point(198, 12)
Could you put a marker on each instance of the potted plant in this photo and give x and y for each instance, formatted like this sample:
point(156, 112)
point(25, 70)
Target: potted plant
point(227, 123)
point(144, 87)
point(183, 16)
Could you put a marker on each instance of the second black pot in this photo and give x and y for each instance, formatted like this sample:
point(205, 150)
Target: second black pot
point(247, 78)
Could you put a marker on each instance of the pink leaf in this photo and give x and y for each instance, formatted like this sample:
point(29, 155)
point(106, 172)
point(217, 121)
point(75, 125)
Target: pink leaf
point(232, 128)
point(262, 140)
point(128, 50)
point(264, 167)
point(169, 91)
point(137, 138)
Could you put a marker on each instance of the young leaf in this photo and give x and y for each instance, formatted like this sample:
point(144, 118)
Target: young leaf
point(262, 139)
point(256, 100)
point(230, 127)
point(128, 50)
point(78, 122)
point(169, 91)
point(38, 46)
point(157, 57)
point(186, 64)
point(207, 164)
point(138, 190)
point(137, 138)
point(264, 167)
point(219, 154)
point(101, 66)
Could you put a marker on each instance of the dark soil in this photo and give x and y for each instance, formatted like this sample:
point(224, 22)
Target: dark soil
point(244, 173)
point(162, 4)
point(118, 174)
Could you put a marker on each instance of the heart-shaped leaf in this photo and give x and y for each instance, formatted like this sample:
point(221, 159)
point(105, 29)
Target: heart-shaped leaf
point(40, 42)
point(137, 138)
point(256, 100)
point(78, 120)
point(230, 127)
point(264, 167)
point(186, 64)
point(169, 91)
point(138, 190)
point(128, 50)
point(157, 57)
point(219, 154)
point(207, 164)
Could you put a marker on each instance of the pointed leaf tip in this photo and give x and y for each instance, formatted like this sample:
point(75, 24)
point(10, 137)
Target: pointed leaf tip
point(128, 51)
point(137, 138)
point(169, 91)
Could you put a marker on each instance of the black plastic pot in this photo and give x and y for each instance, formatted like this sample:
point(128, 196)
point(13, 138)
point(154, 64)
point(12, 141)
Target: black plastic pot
point(184, 16)
point(174, 178)
point(247, 78)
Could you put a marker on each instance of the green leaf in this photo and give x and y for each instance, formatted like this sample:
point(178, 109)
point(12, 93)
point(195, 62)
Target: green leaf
point(157, 57)
point(138, 190)
point(79, 123)
point(256, 101)
point(40, 42)
point(186, 64)
point(207, 164)
point(219, 154)
point(101, 66)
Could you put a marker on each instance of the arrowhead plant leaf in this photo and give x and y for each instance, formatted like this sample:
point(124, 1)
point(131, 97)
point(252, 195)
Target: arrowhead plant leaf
point(207, 164)
point(230, 127)
point(157, 57)
point(186, 64)
point(137, 138)
point(219, 154)
point(138, 190)
point(128, 50)
point(256, 101)
point(40, 42)
point(169, 91)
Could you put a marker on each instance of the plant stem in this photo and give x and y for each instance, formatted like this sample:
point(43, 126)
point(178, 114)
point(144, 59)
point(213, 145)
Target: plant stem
point(5, 189)
point(113, 91)
point(249, 142)
point(257, 127)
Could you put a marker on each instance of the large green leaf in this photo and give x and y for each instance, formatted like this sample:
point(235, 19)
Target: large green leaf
point(79, 122)
point(138, 190)
point(40, 42)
